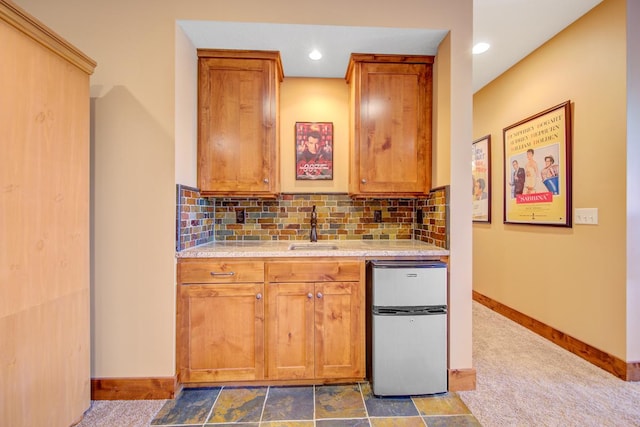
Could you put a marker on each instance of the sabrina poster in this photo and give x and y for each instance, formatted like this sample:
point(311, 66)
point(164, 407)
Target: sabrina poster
point(314, 150)
point(537, 178)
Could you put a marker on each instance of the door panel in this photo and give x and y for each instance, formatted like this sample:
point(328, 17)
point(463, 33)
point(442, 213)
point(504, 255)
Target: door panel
point(290, 331)
point(339, 334)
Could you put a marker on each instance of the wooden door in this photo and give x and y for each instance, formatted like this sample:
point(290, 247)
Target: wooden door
point(339, 330)
point(45, 321)
point(222, 329)
point(290, 331)
point(394, 139)
point(237, 129)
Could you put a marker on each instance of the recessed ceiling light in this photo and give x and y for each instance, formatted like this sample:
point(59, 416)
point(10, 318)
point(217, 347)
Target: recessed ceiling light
point(480, 48)
point(315, 54)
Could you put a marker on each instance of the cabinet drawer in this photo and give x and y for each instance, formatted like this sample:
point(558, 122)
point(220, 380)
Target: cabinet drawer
point(207, 271)
point(307, 271)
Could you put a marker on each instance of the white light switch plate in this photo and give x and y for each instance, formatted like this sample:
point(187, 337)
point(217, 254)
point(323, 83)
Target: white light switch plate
point(586, 216)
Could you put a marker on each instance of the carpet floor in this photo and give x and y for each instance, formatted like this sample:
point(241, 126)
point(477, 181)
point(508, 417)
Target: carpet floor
point(523, 379)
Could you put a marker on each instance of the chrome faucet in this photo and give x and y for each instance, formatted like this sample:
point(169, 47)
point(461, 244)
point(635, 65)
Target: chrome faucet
point(314, 224)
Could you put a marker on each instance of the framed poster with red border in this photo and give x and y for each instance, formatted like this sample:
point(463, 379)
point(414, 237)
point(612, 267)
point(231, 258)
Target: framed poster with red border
point(314, 150)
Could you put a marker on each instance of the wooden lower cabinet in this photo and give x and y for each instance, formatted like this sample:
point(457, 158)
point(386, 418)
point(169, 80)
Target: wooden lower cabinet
point(315, 329)
point(220, 323)
point(291, 313)
point(225, 332)
point(339, 330)
point(276, 321)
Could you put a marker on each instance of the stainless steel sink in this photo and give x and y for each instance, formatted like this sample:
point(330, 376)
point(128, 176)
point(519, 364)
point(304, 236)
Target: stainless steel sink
point(312, 246)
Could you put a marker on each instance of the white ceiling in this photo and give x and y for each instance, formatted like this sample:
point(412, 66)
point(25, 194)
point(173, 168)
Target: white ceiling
point(296, 41)
point(514, 28)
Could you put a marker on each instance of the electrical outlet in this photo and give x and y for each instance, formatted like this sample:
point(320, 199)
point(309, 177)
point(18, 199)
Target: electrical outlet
point(240, 216)
point(377, 216)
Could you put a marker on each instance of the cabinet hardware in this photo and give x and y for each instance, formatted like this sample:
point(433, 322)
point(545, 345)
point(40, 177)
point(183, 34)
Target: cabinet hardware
point(258, 296)
point(309, 295)
point(231, 273)
point(266, 180)
point(364, 180)
point(319, 295)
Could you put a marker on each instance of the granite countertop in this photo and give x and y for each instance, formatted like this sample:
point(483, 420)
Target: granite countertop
point(324, 248)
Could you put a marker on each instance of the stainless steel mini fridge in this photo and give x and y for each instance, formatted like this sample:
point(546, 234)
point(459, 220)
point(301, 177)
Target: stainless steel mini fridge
point(408, 327)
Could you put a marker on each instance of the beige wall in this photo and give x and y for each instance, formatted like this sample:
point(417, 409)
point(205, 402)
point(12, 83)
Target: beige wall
point(442, 116)
point(186, 125)
point(572, 279)
point(143, 142)
point(314, 100)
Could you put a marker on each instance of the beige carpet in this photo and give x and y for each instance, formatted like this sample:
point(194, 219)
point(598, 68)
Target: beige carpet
point(121, 413)
point(525, 380)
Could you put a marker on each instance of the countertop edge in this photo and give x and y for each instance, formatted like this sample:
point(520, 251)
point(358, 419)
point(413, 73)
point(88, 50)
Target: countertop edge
point(315, 254)
point(208, 251)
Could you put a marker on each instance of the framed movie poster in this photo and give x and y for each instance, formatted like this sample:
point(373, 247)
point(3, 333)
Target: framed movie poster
point(314, 150)
point(537, 169)
point(481, 173)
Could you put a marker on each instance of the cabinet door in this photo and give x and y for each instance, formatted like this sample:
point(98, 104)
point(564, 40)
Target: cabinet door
point(340, 330)
point(394, 142)
point(221, 329)
point(290, 351)
point(237, 126)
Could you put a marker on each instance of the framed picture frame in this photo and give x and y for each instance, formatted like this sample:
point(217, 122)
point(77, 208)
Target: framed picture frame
point(537, 169)
point(481, 173)
point(314, 150)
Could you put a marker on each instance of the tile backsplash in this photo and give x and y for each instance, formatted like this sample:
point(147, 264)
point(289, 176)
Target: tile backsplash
point(194, 218)
point(434, 227)
point(200, 220)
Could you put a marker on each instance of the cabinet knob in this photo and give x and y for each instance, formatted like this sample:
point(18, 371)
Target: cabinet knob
point(319, 295)
point(309, 295)
point(364, 180)
point(266, 180)
point(258, 295)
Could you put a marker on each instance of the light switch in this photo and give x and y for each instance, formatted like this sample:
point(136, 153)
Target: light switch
point(586, 216)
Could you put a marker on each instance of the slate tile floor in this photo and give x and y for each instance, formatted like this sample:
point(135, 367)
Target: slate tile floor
point(350, 405)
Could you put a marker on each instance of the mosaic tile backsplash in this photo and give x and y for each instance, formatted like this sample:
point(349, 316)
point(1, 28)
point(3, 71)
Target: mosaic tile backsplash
point(434, 226)
point(194, 218)
point(201, 220)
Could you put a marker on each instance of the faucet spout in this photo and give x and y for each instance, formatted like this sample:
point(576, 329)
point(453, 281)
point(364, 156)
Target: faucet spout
point(314, 224)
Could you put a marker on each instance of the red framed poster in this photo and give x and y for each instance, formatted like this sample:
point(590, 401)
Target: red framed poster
point(314, 150)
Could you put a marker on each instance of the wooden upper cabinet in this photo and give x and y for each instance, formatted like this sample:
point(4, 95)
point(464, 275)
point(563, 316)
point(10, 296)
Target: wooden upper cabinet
point(238, 128)
point(391, 97)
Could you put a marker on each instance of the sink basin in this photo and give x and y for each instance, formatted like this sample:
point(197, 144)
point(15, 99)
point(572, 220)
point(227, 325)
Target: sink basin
point(312, 246)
